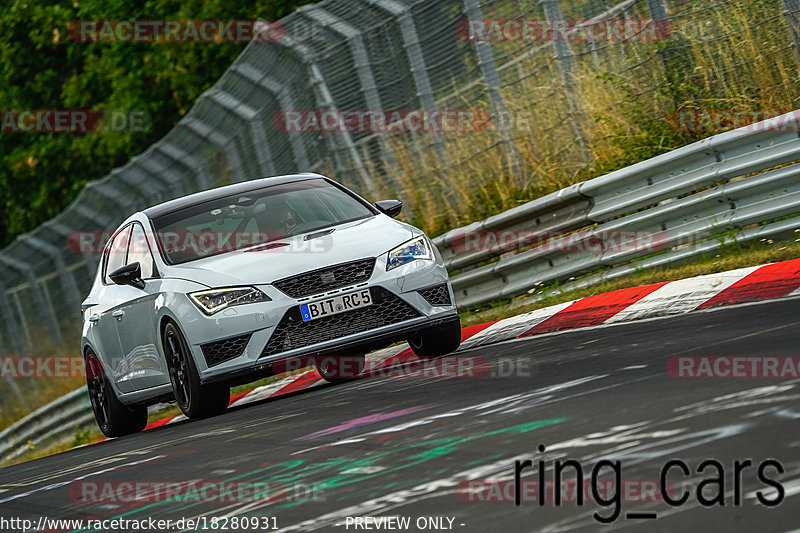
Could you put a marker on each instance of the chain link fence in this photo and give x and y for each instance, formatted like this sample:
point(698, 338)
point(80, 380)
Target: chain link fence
point(557, 96)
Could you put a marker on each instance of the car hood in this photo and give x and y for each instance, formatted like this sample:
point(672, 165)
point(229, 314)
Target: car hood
point(361, 239)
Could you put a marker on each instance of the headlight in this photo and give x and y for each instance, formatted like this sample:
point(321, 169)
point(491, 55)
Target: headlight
point(214, 300)
point(416, 248)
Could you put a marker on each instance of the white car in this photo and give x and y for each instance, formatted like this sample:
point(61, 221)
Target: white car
point(241, 282)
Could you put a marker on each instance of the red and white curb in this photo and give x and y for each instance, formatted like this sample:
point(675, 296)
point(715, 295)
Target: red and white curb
point(775, 280)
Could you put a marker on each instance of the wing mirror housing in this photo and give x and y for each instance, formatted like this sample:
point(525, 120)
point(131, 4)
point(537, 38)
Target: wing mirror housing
point(128, 275)
point(390, 207)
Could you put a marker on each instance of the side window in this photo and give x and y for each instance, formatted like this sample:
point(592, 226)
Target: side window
point(139, 251)
point(117, 251)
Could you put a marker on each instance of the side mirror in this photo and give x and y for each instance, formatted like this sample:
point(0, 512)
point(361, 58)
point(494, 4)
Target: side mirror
point(390, 207)
point(128, 275)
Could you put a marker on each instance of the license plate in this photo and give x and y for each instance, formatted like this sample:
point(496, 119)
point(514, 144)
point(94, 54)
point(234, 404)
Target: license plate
point(335, 305)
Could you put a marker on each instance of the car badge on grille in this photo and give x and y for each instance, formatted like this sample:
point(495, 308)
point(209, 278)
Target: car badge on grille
point(328, 277)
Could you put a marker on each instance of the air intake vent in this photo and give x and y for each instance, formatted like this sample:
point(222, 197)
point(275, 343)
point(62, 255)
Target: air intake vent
point(437, 296)
point(220, 351)
point(293, 333)
point(326, 279)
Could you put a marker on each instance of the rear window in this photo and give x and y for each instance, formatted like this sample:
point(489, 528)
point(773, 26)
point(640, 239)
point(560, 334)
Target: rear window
point(254, 217)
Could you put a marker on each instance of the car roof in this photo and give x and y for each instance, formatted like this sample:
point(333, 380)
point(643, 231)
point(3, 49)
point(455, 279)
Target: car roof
point(221, 192)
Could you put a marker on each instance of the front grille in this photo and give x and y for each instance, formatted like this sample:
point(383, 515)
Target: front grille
point(220, 351)
point(437, 296)
point(293, 333)
point(325, 279)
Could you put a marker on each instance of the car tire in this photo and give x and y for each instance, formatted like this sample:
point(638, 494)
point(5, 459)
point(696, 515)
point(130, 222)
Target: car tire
point(437, 341)
point(195, 399)
point(339, 368)
point(114, 418)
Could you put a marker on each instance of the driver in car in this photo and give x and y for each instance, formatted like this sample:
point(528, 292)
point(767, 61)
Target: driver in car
point(287, 219)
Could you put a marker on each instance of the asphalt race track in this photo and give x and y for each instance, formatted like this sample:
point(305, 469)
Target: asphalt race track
point(413, 448)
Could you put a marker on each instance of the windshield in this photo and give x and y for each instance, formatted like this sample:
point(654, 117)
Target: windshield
point(254, 217)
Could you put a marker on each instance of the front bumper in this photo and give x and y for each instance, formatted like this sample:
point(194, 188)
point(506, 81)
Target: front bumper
point(258, 331)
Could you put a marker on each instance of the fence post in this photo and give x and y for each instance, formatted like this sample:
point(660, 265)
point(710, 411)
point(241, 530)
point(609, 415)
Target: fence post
point(226, 145)
point(66, 233)
point(499, 111)
point(353, 36)
point(342, 140)
point(791, 8)
point(249, 116)
point(563, 56)
point(285, 101)
point(67, 279)
point(203, 180)
point(416, 62)
point(10, 321)
point(36, 292)
point(658, 12)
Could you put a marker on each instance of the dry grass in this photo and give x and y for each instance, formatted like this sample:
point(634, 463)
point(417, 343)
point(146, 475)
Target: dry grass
point(623, 98)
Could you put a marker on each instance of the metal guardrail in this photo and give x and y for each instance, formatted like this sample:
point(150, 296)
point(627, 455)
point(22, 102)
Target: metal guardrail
point(696, 198)
point(52, 424)
point(691, 198)
point(384, 55)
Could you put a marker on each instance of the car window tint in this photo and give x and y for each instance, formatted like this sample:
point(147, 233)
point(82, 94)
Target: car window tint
point(258, 216)
point(117, 251)
point(139, 251)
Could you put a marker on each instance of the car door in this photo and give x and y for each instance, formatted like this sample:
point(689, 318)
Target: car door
point(142, 365)
point(102, 322)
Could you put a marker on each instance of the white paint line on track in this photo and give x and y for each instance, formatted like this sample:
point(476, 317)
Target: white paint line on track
point(264, 391)
point(60, 484)
point(681, 296)
point(513, 326)
point(375, 359)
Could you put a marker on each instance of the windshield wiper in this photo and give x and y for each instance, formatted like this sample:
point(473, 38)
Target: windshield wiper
point(266, 246)
point(318, 234)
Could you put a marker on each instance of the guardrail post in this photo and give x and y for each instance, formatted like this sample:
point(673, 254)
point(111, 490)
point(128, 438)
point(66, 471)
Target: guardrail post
point(499, 111)
point(791, 10)
point(563, 56)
